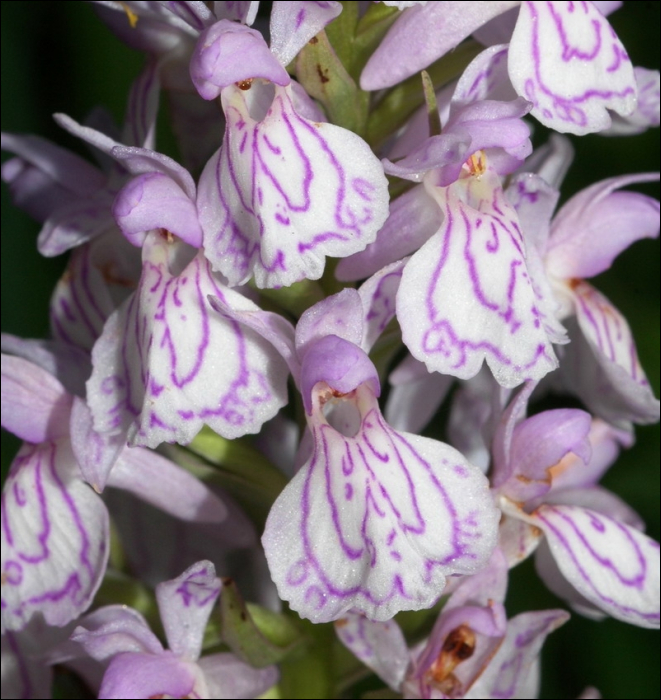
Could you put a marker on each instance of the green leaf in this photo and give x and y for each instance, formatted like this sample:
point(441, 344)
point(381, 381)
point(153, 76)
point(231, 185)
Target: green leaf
point(258, 636)
point(321, 73)
point(235, 465)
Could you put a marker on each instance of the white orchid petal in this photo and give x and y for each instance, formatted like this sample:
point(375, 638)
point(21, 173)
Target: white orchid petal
point(392, 514)
point(54, 538)
point(467, 296)
point(613, 565)
point(567, 60)
point(283, 193)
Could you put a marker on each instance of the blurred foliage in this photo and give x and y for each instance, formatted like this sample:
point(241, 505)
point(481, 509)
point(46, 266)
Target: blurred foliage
point(59, 57)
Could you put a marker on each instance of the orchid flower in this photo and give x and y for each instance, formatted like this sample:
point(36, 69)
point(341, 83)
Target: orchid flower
point(594, 539)
point(139, 667)
point(472, 651)
point(565, 58)
point(55, 538)
point(283, 192)
point(600, 364)
point(375, 520)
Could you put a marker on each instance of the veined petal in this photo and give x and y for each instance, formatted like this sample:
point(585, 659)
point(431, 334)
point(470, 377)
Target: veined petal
point(377, 295)
point(613, 565)
point(96, 453)
point(597, 224)
point(284, 192)
point(601, 364)
point(466, 296)
point(54, 538)
point(381, 646)
point(433, 30)
point(98, 278)
point(166, 365)
point(508, 674)
point(567, 60)
point(185, 604)
point(293, 24)
point(485, 78)
point(392, 514)
point(35, 406)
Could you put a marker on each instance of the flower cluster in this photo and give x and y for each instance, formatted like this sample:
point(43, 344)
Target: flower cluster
point(355, 241)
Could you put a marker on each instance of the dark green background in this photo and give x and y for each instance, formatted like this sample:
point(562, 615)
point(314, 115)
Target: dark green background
point(58, 57)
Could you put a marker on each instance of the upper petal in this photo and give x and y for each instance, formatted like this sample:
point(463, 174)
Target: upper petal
point(567, 60)
point(185, 604)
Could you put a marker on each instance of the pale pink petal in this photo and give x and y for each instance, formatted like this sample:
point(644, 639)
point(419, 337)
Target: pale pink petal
point(293, 24)
point(597, 224)
point(423, 34)
point(35, 406)
point(228, 677)
point(414, 217)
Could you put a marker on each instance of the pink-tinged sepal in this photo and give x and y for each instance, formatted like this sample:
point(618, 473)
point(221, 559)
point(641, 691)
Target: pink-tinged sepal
point(611, 564)
point(597, 224)
point(54, 538)
point(293, 24)
point(185, 604)
point(35, 405)
point(467, 296)
point(284, 192)
point(601, 363)
point(390, 511)
point(166, 364)
point(414, 217)
point(512, 672)
point(381, 646)
point(567, 60)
